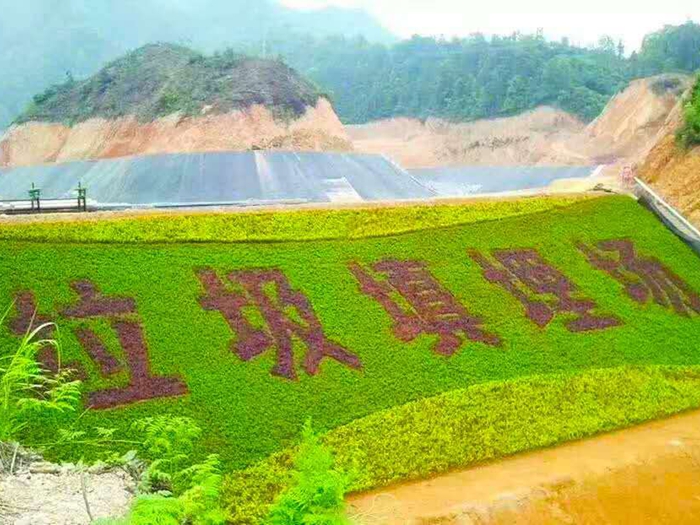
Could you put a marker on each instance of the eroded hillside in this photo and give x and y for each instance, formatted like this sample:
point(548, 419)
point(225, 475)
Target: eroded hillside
point(674, 170)
point(624, 132)
point(521, 140)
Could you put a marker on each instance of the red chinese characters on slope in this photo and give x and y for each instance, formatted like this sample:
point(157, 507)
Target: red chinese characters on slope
point(431, 308)
point(644, 278)
point(271, 294)
point(120, 312)
point(416, 301)
point(542, 289)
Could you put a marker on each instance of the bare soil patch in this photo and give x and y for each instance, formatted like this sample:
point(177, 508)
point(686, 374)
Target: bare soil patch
point(45, 494)
point(318, 129)
point(624, 133)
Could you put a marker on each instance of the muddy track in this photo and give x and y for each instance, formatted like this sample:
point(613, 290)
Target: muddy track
point(648, 474)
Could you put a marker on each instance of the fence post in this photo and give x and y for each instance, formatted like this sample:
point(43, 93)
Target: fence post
point(82, 197)
point(35, 196)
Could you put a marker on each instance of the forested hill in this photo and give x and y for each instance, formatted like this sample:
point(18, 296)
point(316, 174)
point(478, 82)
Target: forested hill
point(476, 77)
point(42, 40)
point(157, 80)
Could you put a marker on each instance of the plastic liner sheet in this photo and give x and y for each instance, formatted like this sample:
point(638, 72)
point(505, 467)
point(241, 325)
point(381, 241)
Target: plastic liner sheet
point(475, 180)
point(235, 177)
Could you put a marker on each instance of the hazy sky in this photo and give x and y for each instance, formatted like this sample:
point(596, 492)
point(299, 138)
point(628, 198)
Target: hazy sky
point(584, 23)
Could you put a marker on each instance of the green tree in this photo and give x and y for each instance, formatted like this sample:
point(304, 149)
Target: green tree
point(673, 48)
point(518, 95)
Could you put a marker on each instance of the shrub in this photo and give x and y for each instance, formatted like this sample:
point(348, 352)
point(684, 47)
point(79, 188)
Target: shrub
point(667, 83)
point(169, 102)
point(689, 134)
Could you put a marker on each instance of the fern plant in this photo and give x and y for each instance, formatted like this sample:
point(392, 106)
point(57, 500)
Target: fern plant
point(28, 391)
point(167, 446)
point(173, 491)
point(150, 510)
point(201, 500)
point(317, 496)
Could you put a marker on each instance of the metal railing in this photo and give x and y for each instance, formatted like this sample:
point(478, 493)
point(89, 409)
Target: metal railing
point(671, 217)
point(38, 204)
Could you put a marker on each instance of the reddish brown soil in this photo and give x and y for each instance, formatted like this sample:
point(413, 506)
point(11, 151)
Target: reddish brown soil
point(623, 134)
point(319, 129)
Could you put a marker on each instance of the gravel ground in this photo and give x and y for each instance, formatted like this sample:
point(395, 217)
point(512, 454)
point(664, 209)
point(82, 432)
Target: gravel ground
point(46, 494)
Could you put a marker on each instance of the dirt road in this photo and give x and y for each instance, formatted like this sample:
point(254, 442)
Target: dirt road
point(648, 474)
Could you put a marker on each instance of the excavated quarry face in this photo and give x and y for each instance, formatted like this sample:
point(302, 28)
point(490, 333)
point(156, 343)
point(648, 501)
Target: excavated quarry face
point(318, 129)
point(632, 120)
point(672, 171)
point(513, 141)
point(624, 133)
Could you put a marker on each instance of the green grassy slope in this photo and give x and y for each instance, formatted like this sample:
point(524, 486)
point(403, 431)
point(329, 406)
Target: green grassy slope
point(249, 414)
point(465, 427)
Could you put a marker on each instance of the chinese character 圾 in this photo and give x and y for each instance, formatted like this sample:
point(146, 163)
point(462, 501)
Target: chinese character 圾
point(542, 289)
point(644, 278)
point(271, 294)
point(431, 308)
point(143, 385)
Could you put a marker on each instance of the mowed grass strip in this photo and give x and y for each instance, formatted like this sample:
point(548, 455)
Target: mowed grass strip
point(248, 413)
point(470, 426)
point(290, 225)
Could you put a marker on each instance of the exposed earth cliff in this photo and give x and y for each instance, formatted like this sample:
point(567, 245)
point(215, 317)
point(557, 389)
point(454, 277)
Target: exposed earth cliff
point(674, 171)
point(624, 132)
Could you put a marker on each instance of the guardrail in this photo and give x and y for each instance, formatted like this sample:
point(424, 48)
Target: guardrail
point(671, 217)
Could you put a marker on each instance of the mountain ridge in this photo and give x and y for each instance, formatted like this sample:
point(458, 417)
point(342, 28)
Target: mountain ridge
point(42, 41)
point(157, 80)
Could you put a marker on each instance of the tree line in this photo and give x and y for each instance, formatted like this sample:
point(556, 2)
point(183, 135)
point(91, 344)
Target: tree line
point(479, 77)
